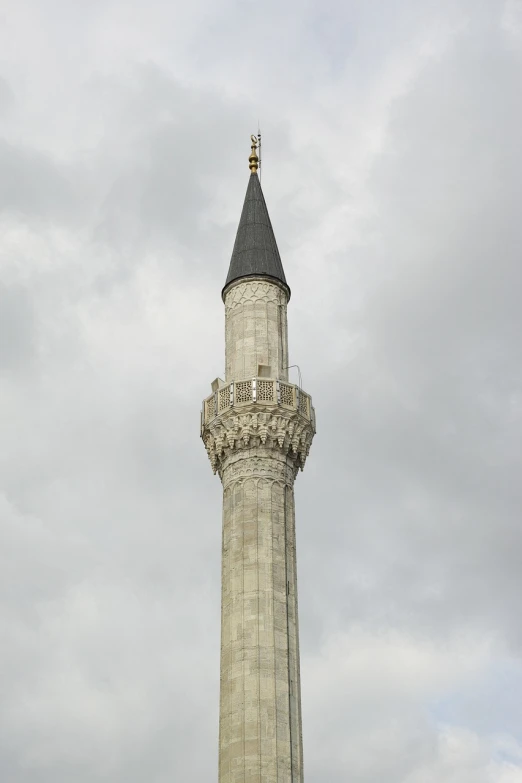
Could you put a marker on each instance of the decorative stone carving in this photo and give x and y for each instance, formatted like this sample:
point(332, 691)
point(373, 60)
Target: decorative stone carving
point(239, 468)
point(285, 431)
point(267, 392)
point(254, 291)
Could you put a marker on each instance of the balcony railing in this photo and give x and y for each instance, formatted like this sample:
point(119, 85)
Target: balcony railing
point(267, 391)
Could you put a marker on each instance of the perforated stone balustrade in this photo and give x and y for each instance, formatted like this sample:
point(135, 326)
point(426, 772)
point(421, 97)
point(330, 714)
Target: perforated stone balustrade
point(267, 391)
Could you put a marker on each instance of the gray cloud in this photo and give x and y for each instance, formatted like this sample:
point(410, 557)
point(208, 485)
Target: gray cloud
point(435, 383)
point(17, 337)
point(32, 183)
point(7, 98)
point(392, 174)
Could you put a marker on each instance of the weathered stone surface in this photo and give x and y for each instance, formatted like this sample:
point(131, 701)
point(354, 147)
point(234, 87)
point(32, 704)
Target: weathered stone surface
point(257, 451)
point(260, 712)
point(256, 329)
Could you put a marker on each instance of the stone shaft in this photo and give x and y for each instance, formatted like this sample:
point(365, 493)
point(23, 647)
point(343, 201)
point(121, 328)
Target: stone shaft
point(256, 330)
point(260, 705)
point(257, 429)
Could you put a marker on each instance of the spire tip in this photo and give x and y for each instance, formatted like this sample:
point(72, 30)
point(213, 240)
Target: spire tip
point(253, 161)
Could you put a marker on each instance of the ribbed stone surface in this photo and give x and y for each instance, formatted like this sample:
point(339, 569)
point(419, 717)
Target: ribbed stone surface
point(260, 704)
point(256, 330)
point(260, 710)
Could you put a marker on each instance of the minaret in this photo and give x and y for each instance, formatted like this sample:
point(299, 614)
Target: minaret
point(257, 429)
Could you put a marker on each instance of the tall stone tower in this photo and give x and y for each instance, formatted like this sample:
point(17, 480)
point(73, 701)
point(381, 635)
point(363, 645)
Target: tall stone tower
point(257, 429)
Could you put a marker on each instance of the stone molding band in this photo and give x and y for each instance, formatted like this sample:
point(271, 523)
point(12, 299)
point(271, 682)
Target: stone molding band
point(253, 290)
point(257, 466)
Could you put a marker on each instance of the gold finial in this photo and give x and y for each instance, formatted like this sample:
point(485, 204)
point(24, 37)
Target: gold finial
point(253, 160)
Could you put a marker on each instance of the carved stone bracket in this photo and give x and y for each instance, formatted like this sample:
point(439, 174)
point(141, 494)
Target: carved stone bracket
point(285, 431)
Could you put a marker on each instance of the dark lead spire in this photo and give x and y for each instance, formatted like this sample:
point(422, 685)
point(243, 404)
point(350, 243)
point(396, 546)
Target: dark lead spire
point(255, 249)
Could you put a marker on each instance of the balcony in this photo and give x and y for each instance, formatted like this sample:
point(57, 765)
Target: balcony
point(268, 392)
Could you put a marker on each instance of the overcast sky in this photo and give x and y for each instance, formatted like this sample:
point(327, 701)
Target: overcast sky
point(392, 173)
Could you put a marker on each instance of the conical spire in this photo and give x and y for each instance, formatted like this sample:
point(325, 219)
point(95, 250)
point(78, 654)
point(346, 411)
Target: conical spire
point(255, 249)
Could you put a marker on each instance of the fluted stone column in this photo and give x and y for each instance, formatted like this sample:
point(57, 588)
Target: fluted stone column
point(256, 330)
point(258, 432)
point(260, 715)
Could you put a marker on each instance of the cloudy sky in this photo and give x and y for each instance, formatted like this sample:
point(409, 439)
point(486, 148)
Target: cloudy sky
point(392, 172)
